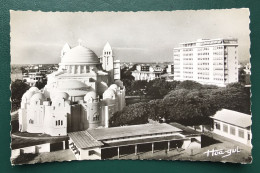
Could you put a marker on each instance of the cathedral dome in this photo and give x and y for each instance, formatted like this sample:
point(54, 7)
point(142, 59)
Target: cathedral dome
point(119, 83)
point(80, 54)
point(61, 95)
point(27, 96)
point(109, 94)
point(90, 96)
point(72, 88)
point(72, 85)
point(114, 87)
point(37, 97)
point(34, 89)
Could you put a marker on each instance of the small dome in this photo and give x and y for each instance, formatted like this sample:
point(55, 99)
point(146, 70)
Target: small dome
point(90, 96)
point(119, 83)
point(109, 94)
point(72, 85)
point(27, 95)
point(80, 54)
point(34, 89)
point(67, 102)
point(61, 95)
point(114, 87)
point(37, 97)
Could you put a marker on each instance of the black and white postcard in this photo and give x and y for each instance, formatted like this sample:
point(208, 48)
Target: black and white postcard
point(164, 85)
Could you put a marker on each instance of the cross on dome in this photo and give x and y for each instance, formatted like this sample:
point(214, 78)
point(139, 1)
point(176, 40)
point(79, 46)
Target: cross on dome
point(80, 42)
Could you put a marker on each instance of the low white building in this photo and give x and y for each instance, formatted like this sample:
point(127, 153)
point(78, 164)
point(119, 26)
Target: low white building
point(147, 72)
point(233, 125)
point(102, 143)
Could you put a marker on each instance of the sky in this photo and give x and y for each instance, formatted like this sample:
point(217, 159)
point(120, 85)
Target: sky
point(38, 37)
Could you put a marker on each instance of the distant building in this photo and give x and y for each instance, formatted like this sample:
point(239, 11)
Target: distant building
point(247, 75)
point(247, 68)
point(32, 78)
point(169, 75)
point(233, 125)
point(37, 73)
point(170, 69)
point(207, 61)
point(147, 72)
point(117, 70)
point(78, 96)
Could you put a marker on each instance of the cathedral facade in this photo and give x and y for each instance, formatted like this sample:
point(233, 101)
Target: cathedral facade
point(82, 94)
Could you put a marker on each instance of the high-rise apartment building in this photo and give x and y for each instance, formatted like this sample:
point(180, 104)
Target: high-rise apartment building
point(207, 61)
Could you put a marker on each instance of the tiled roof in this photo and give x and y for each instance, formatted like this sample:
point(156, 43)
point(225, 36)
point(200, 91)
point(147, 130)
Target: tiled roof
point(83, 139)
point(233, 117)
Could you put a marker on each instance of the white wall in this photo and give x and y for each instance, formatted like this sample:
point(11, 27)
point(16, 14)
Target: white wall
point(84, 154)
point(230, 136)
point(31, 149)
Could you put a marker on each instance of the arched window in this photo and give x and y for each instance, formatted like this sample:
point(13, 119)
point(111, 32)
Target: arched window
point(95, 117)
point(30, 121)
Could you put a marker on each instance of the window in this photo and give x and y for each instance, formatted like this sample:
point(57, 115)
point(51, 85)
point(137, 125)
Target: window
point(241, 133)
point(248, 137)
point(59, 122)
point(225, 128)
point(30, 121)
point(91, 152)
point(232, 131)
point(217, 126)
point(95, 117)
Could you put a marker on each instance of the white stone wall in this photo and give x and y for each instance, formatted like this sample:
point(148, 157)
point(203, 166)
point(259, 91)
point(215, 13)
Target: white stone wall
point(22, 113)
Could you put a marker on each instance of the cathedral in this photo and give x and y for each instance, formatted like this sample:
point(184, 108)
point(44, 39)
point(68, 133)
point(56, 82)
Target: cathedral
point(83, 94)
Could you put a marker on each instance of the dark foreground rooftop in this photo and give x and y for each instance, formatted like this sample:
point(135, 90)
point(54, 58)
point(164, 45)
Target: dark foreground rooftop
point(83, 139)
point(132, 131)
point(142, 141)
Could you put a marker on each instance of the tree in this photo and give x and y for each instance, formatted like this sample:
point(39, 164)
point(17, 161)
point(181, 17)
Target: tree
point(40, 84)
point(18, 88)
point(158, 88)
point(133, 114)
point(241, 75)
point(187, 106)
point(188, 84)
point(127, 73)
point(234, 97)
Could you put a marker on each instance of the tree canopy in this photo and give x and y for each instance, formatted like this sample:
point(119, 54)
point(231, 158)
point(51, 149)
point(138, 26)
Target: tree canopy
point(18, 88)
point(186, 105)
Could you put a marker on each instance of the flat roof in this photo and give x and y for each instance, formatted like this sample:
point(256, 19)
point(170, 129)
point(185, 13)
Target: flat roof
point(206, 40)
point(186, 130)
point(83, 139)
point(233, 117)
point(142, 141)
point(130, 131)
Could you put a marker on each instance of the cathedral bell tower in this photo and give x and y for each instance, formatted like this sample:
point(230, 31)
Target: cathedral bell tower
point(107, 61)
